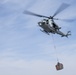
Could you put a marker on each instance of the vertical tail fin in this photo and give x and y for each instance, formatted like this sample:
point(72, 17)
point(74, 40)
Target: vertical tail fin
point(68, 33)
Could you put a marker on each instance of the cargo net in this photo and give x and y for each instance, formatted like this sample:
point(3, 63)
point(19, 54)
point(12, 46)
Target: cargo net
point(59, 66)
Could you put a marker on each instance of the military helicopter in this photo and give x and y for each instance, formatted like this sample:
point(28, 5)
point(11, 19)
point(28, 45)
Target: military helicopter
point(53, 27)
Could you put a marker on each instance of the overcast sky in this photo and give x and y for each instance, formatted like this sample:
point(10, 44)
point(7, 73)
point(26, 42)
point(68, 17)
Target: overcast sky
point(24, 49)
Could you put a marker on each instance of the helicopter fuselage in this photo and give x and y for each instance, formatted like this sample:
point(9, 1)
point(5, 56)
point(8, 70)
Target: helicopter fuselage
point(47, 28)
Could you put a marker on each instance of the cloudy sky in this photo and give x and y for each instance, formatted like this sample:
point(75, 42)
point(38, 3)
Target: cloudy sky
point(24, 49)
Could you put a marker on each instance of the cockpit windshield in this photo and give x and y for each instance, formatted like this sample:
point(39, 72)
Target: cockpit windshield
point(44, 20)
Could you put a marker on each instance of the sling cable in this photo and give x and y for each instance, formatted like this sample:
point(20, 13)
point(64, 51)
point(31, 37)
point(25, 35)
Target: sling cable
point(59, 66)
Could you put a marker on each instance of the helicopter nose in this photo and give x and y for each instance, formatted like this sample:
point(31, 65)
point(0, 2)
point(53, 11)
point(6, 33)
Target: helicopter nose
point(39, 23)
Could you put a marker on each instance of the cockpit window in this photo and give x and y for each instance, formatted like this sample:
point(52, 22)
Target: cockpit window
point(44, 20)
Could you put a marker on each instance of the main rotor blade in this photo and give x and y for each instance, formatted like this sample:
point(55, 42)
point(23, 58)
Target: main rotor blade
point(61, 8)
point(67, 20)
point(34, 14)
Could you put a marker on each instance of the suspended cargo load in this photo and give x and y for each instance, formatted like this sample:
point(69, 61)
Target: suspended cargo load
point(59, 66)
